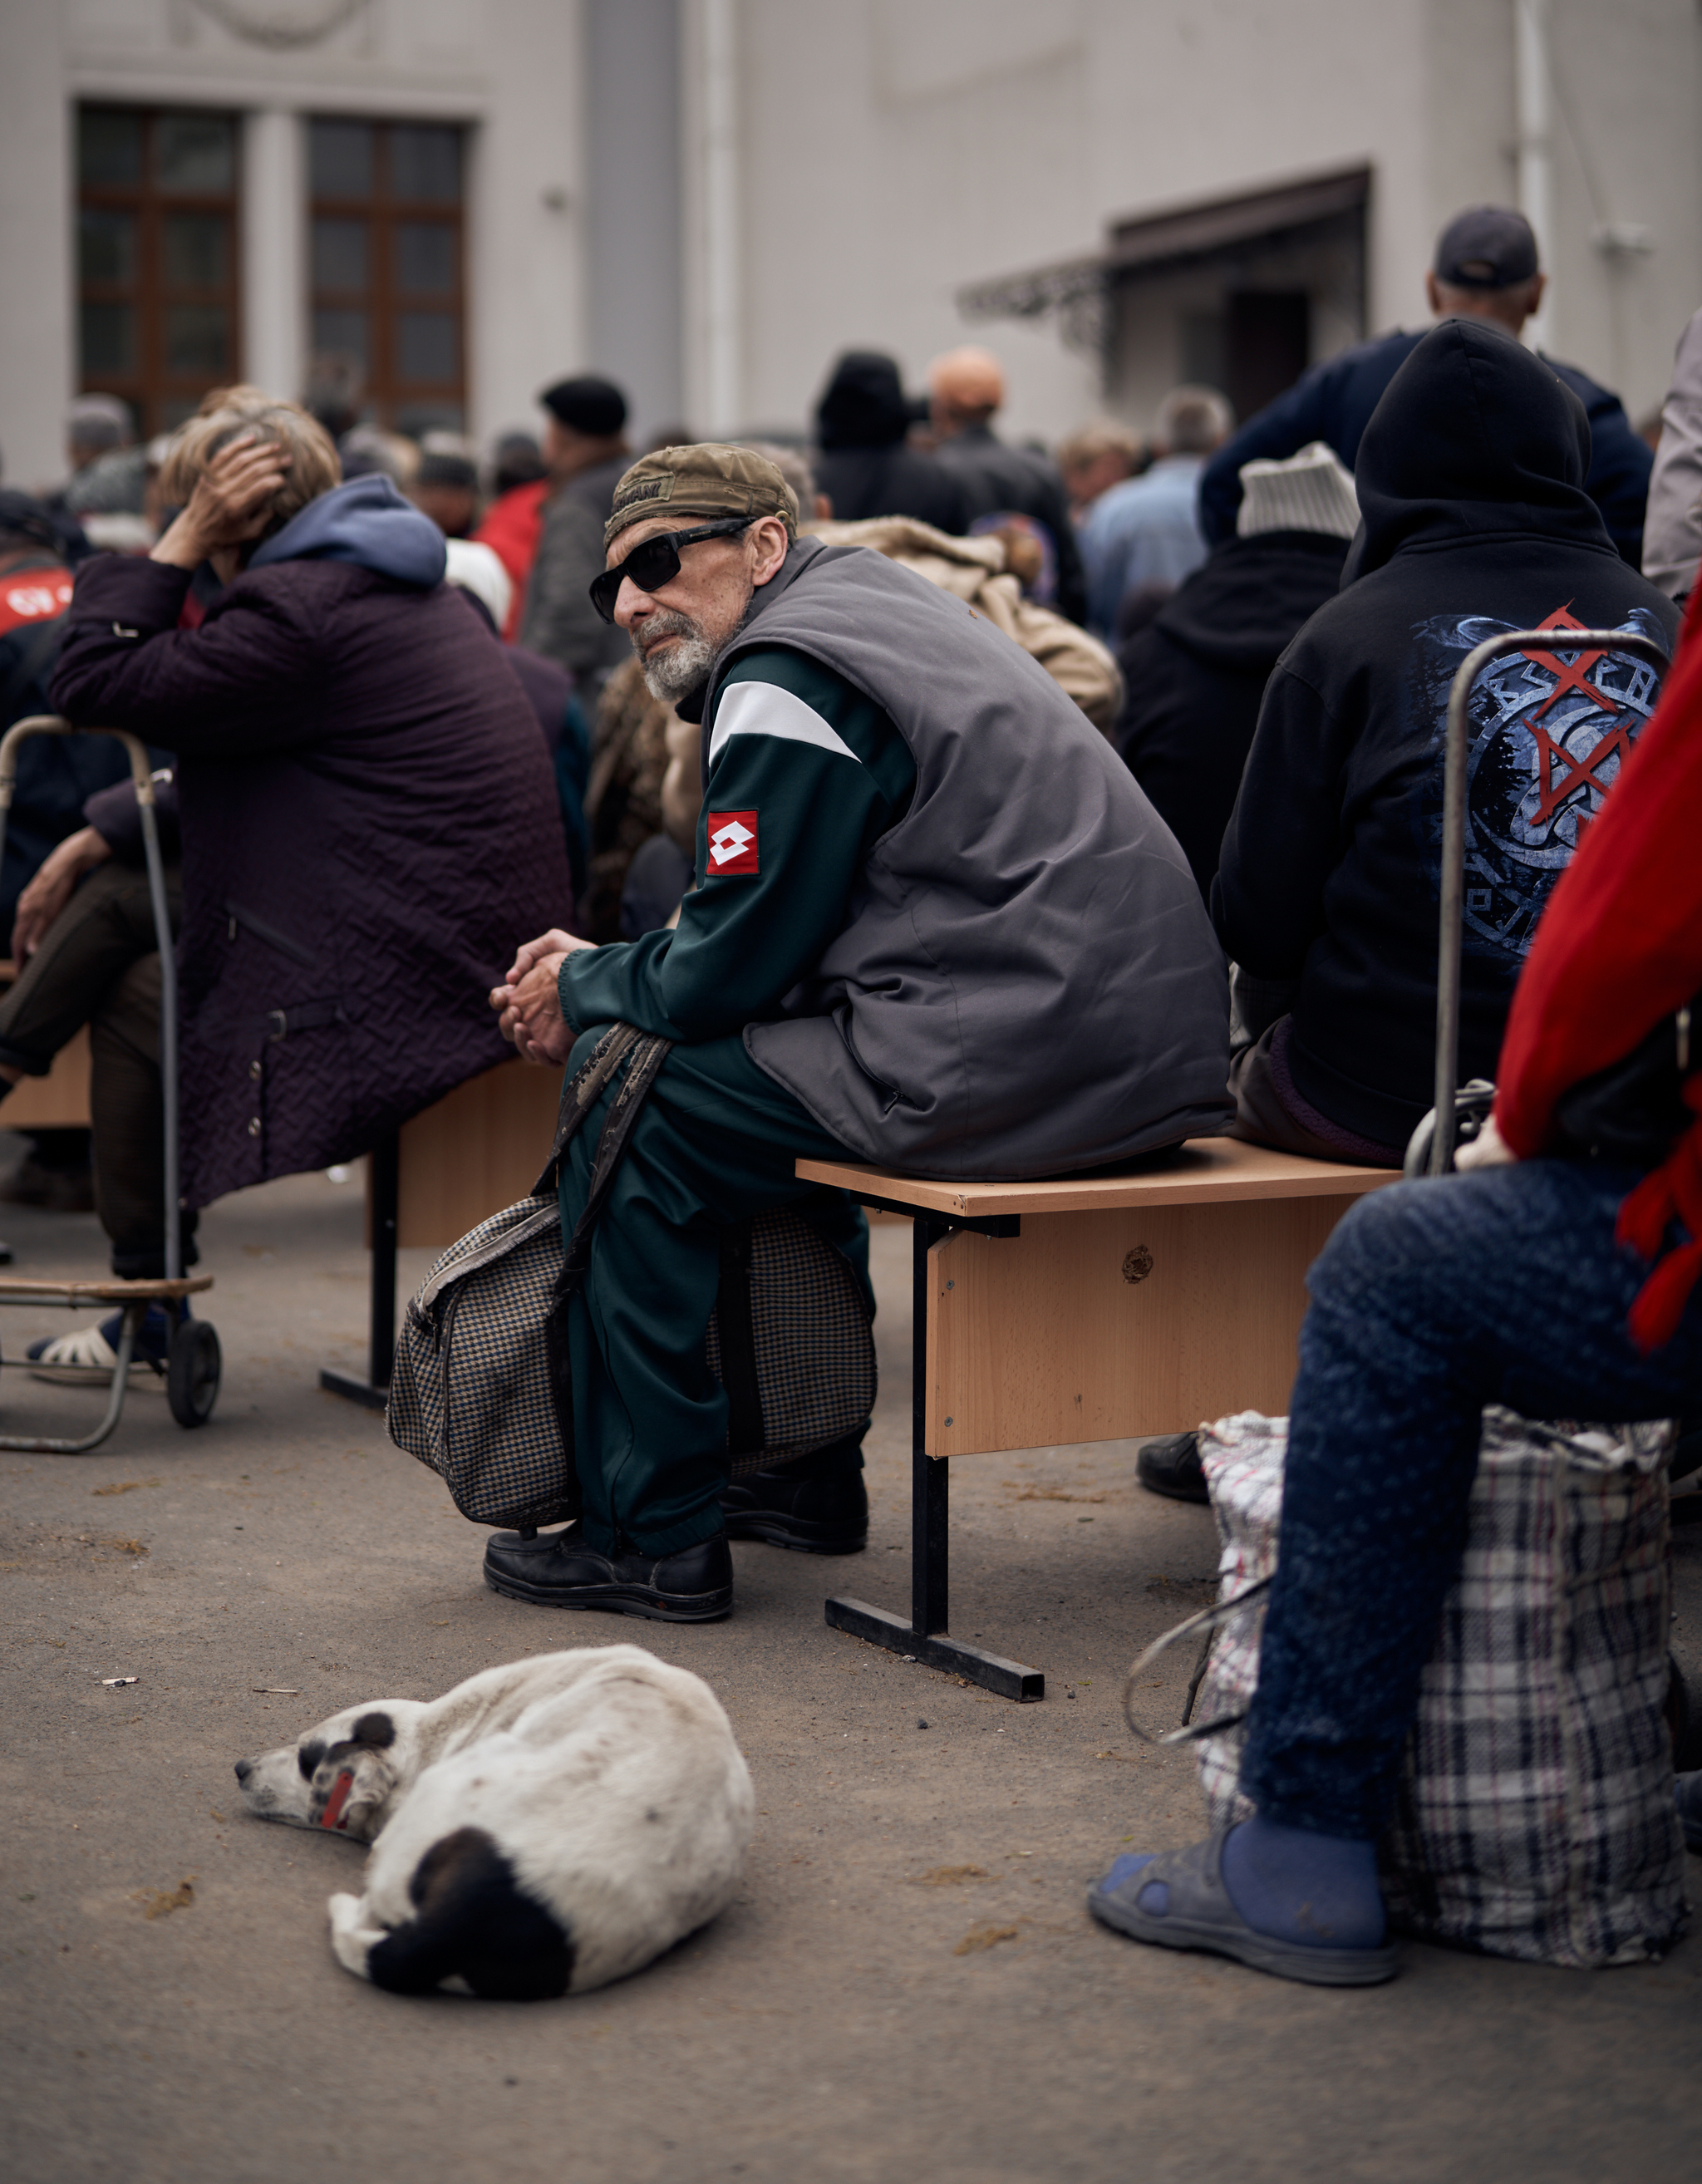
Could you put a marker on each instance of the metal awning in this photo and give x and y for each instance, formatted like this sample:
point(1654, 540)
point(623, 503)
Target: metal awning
point(1164, 241)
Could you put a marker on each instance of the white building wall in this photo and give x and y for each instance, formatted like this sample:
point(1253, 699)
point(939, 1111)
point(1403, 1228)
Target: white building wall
point(895, 150)
point(884, 153)
point(35, 244)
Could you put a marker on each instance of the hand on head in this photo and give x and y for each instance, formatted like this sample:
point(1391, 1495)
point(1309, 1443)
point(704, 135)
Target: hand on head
point(230, 504)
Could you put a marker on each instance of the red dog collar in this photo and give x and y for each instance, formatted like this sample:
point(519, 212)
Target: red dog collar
point(333, 1817)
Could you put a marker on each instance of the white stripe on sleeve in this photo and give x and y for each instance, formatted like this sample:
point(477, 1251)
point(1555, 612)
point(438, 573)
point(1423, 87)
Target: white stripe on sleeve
point(764, 708)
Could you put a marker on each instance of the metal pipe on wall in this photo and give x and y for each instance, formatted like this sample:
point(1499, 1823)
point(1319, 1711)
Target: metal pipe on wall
point(723, 269)
point(1531, 96)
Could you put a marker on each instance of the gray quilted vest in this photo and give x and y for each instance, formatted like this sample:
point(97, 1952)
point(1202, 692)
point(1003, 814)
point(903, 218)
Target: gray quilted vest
point(1026, 982)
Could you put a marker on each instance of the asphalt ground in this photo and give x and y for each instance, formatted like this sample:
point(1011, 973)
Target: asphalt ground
point(908, 1984)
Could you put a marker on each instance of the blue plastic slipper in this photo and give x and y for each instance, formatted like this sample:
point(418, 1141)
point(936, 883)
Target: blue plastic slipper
point(1194, 1912)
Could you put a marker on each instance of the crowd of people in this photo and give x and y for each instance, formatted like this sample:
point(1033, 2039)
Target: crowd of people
point(952, 807)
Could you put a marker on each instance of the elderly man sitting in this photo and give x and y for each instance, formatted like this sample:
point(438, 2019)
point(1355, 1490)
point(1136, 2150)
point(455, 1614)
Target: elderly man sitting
point(937, 926)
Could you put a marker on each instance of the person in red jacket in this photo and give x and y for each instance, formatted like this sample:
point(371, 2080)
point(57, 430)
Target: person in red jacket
point(1557, 1276)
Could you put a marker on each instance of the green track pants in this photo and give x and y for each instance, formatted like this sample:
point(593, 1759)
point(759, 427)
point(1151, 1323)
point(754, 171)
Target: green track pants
point(714, 1142)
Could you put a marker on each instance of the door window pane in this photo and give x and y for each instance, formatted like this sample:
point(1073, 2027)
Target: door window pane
point(158, 253)
point(341, 334)
point(340, 253)
point(107, 245)
point(340, 159)
point(109, 148)
point(385, 221)
point(196, 249)
point(427, 346)
point(425, 258)
point(197, 341)
point(426, 165)
point(109, 339)
point(195, 151)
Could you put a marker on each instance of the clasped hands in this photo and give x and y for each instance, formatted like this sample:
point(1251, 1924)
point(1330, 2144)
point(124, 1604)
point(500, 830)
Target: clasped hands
point(529, 1000)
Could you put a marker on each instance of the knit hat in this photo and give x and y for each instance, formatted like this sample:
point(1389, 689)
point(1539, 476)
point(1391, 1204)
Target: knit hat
point(474, 568)
point(864, 405)
point(1312, 491)
point(707, 481)
point(595, 407)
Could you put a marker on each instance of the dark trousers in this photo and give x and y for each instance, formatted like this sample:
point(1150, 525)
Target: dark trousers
point(714, 1142)
point(98, 965)
point(1430, 1301)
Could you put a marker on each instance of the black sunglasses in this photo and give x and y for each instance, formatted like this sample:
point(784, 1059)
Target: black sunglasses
point(655, 562)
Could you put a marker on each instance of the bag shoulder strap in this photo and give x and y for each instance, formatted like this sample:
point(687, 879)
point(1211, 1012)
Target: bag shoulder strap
point(645, 1053)
point(580, 1092)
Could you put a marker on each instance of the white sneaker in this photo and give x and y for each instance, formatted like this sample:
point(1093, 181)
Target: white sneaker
point(86, 1358)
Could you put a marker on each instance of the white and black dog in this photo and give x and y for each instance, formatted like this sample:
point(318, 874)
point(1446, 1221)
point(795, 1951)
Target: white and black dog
point(544, 1827)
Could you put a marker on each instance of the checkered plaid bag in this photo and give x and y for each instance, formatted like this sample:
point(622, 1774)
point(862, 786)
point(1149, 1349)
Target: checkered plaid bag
point(481, 1392)
point(1535, 1814)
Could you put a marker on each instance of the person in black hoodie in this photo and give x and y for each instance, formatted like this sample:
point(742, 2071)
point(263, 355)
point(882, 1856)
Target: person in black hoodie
point(1196, 673)
point(1476, 520)
point(862, 463)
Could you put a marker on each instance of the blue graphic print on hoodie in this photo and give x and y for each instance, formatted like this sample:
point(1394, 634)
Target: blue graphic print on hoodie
point(1475, 519)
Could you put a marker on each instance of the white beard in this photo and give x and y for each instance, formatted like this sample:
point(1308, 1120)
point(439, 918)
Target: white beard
point(678, 670)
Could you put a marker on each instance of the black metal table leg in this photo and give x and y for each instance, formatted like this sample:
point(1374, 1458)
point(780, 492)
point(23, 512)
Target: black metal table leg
point(381, 1346)
point(924, 1637)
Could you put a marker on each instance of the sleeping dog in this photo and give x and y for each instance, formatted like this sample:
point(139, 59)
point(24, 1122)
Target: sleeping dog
point(544, 1827)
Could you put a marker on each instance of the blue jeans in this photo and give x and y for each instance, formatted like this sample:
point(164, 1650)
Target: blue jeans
point(1430, 1300)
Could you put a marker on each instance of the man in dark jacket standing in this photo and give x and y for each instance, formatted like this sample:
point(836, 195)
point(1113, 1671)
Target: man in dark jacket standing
point(937, 925)
point(587, 451)
point(864, 464)
point(1486, 268)
point(1195, 674)
point(966, 390)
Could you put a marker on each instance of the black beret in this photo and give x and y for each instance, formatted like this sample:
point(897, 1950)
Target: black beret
point(595, 407)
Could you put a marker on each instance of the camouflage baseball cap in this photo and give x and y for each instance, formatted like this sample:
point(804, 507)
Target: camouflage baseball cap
point(703, 482)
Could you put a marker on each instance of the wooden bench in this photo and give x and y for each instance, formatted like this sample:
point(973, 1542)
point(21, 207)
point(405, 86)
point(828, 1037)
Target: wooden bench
point(1089, 1308)
point(477, 1150)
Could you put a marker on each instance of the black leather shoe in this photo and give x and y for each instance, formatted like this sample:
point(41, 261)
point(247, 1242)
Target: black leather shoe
point(556, 1570)
point(1171, 1465)
point(817, 1511)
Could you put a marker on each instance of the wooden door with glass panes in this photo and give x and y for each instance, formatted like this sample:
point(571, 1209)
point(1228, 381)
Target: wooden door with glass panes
point(386, 251)
point(159, 271)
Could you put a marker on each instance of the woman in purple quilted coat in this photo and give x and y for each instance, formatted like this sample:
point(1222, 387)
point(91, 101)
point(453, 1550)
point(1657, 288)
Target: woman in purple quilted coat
point(368, 816)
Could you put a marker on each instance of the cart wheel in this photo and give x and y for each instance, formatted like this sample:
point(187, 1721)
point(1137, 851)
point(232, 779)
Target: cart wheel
point(192, 1369)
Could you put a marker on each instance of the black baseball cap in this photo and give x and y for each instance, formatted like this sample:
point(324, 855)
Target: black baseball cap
point(595, 407)
point(1486, 246)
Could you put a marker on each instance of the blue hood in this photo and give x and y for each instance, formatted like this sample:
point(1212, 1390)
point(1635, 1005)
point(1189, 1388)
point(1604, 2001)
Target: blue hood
point(366, 521)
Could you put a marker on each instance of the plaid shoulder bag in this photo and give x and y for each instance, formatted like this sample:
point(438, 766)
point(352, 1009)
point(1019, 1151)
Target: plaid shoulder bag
point(481, 1392)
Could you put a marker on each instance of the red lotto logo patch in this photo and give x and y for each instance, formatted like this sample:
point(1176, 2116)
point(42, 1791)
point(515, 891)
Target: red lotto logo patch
point(732, 843)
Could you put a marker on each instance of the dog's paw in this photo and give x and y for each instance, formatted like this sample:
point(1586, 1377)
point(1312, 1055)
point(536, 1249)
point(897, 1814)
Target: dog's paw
point(353, 1935)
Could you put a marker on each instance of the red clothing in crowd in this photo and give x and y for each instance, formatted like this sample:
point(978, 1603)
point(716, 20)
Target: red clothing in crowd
point(511, 530)
point(1620, 947)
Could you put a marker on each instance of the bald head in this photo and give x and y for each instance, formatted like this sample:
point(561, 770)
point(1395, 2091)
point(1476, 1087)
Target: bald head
point(966, 386)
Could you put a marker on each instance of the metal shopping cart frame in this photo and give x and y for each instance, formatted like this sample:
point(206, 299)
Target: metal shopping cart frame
point(1431, 1152)
point(193, 1365)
